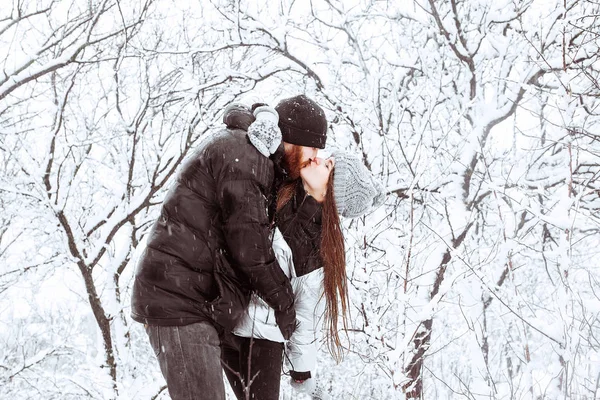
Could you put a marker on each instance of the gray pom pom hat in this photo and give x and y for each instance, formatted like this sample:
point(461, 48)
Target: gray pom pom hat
point(355, 189)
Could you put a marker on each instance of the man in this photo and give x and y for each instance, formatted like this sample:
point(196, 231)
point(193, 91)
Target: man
point(216, 218)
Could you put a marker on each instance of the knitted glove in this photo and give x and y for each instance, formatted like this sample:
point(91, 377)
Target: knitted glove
point(264, 133)
point(312, 387)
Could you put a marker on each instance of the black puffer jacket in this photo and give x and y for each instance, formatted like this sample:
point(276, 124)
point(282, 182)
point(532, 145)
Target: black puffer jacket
point(217, 205)
point(300, 224)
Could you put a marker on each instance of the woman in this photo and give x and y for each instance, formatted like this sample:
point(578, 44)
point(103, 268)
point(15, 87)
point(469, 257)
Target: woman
point(309, 247)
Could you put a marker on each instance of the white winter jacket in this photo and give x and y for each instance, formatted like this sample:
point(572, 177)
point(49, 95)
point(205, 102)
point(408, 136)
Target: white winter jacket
point(259, 319)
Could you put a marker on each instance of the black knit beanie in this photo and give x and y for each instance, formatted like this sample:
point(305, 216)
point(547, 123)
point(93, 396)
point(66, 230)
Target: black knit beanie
point(302, 122)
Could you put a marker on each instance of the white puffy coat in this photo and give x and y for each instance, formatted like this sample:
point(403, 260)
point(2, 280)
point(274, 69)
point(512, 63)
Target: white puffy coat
point(259, 319)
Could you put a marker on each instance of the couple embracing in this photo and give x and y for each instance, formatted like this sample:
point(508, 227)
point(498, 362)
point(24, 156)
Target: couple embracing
point(247, 255)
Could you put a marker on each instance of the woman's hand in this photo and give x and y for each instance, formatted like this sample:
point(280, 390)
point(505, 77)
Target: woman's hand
point(312, 387)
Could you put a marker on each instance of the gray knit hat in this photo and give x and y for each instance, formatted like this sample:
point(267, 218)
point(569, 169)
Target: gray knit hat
point(355, 189)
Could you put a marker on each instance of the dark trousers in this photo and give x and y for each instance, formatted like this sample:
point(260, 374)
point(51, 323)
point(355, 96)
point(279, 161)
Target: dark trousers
point(190, 360)
point(253, 367)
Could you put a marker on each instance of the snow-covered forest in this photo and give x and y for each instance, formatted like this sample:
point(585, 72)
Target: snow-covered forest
point(478, 279)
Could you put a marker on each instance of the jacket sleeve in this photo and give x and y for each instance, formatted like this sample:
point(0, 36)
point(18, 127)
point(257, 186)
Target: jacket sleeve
point(242, 195)
point(310, 306)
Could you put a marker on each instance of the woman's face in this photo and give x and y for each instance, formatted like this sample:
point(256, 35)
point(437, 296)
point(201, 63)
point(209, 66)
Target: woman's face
point(316, 174)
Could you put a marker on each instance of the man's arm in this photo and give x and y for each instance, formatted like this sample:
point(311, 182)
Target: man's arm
point(242, 197)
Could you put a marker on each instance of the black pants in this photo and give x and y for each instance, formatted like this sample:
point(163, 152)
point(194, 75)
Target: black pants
point(254, 364)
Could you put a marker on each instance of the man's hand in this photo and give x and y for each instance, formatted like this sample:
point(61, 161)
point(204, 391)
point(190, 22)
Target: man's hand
point(286, 320)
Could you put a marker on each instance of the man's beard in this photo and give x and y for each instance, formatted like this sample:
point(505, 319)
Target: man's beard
point(293, 162)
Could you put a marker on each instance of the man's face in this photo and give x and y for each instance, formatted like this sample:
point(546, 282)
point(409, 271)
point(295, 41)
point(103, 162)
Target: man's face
point(297, 157)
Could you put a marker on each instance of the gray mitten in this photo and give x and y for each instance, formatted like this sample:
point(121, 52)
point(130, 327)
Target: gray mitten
point(264, 133)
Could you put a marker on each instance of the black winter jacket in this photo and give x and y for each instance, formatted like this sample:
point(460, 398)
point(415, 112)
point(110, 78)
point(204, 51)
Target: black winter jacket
point(300, 224)
point(216, 208)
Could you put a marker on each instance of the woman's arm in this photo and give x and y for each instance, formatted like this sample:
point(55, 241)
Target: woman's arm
point(301, 349)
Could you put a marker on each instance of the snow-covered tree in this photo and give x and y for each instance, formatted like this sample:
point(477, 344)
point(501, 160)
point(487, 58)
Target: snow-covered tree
point(478, 278)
